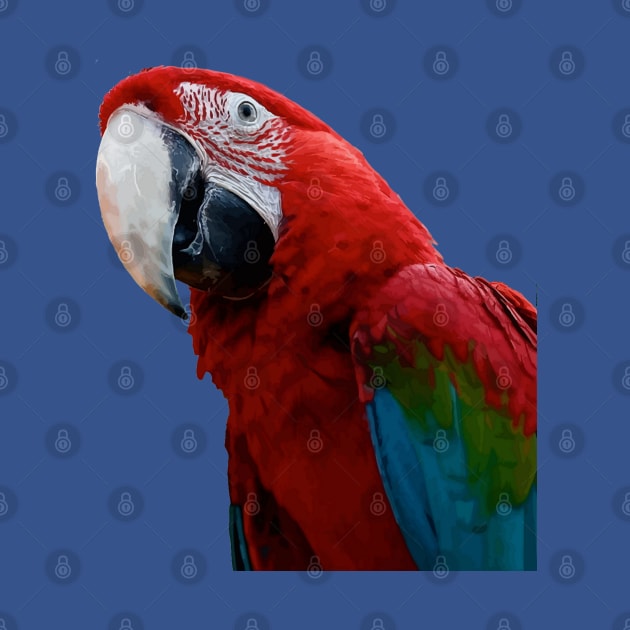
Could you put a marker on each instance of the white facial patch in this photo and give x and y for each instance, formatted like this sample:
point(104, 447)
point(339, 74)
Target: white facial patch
point(241, 144)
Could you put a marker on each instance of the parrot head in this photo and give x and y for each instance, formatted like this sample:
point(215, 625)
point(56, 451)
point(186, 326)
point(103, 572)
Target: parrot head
point(222, 183)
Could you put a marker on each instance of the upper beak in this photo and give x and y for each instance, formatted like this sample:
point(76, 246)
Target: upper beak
point(167, 221)
point(141, 178)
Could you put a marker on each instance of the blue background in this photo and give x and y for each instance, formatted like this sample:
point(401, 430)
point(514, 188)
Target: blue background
point(566, 253)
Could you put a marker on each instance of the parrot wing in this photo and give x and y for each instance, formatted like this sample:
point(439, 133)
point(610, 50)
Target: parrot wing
point(446, 365)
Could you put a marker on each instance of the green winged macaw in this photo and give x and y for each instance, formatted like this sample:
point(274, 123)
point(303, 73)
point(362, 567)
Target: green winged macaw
point(382, 404)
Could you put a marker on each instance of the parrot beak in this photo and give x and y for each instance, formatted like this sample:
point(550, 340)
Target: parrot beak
point(166, 221)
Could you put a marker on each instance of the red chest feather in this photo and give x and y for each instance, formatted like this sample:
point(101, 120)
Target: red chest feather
point(301, 461)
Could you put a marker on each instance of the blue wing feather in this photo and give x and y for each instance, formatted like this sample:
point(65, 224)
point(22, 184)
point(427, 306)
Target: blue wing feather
point(430, 495)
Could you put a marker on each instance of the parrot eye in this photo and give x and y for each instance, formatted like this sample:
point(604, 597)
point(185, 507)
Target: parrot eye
point(247, 112)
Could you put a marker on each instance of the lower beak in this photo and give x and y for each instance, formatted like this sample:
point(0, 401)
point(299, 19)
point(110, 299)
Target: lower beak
point(166, 222)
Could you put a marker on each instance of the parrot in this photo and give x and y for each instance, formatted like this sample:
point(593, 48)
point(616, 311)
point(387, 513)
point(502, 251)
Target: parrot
point(382, 404)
